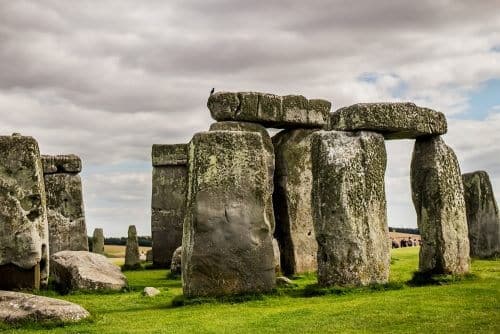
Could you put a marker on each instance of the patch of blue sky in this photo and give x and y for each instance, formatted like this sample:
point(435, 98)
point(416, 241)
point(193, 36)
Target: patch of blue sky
point(483, 101)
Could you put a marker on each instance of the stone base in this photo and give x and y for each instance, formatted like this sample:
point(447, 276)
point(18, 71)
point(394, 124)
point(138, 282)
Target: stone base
point(13, 277)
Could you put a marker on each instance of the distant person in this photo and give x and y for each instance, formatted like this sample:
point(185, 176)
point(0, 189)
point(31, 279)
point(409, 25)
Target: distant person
point(395, 244)
point(409, 243)
point(403, 242)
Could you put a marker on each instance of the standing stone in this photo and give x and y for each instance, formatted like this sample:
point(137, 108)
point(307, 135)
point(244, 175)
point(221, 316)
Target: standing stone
point(277, 256)
point(65, 213)
point(149, 256)
point(483, 219)
point(24, 243)
point(176, 265)
point(292, 201)
point(438, 196)
point(132, 255)
point(168, 200)
point(349, 208)
point(227, 239)
point(98, 241)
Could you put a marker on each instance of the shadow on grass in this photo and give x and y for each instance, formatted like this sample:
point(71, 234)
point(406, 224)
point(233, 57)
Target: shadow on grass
point(424, 279)
point(36, 324)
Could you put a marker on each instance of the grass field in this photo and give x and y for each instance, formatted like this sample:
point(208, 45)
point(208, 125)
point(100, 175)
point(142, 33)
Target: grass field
point(464, 306)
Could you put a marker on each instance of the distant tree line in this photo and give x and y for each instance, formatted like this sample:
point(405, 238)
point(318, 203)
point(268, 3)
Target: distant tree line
point(408, 230)
point(144, 241)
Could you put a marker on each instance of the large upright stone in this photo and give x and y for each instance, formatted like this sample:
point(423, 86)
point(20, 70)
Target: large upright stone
point(98, 241)
point(393, 120)
point(268, 145)
point(349, 208)
point(132, 255)
point(24, 243)
point(168, 200)
point(65, 212)
point(292, 201)
point(438, 196)
point(483, 219)
point(227, 240)
point(290, 111)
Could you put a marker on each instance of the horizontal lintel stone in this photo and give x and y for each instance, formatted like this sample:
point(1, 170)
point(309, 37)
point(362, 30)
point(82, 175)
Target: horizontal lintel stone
point(169, 154)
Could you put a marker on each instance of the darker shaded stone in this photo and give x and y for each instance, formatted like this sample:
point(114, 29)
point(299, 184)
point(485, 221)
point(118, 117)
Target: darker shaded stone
point(68, 163)
point(15, 278)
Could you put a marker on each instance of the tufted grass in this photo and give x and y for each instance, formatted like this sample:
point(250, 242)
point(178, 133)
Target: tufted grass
point(470, 304)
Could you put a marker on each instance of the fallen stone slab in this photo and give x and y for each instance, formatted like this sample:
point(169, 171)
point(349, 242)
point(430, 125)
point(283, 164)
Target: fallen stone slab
point(80, 270)
point(292, 199)
point(290, 111)
point(19, 307)
point(24, 237)
point(227, 238)
point(349, 208)
point(64, 163)
point(438, 197)
point(394, 120)
point(168, 200)
point(483, 218)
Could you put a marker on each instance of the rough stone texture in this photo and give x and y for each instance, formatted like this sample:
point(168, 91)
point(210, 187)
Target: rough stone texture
point(24, 244)
point(268, 145)
point(80, 270)
point(438, 196)
point(176, 265)
point(150, 292)
point(393, 120)
point(277, 257)
point(292, 201)
point(168, 200)
point(98, 241)
point(483, 219)
point(132, 256)
point(149, 255)
point(67, 163)
point(19, 307)
point(227, 240)
point(349, 208)
point(65, 212)
point(291, 111)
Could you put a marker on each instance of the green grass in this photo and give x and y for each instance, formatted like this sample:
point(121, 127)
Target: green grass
point(461, 306)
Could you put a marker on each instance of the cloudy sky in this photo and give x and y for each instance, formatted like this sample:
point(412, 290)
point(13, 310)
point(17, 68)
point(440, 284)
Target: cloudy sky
point(107, 79)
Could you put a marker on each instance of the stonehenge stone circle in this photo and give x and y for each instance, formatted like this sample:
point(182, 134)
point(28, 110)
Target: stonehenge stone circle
point(65, 212)
point(438, 196)
point(349, 208)
point(81, 270)
point(293, 202)
point(24, 240)
point(132, 256)
point(98, 241)
point(483, 218)
point(393, 120)
point(227, 237)
point(168, 200)
point(290, 111)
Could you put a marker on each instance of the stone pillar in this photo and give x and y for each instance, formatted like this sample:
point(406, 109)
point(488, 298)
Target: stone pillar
point(132, 256)
point(98, 241)
point(349, 208)
point(292, 201)
point(438, 196)
point(168, 200)
point(65, 213)
point(227, 238)
point(24, 239)
point(483, 219)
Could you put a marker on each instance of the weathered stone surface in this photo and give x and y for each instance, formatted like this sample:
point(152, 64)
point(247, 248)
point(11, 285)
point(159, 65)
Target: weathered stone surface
point(68, 163)
point(149, 255)
point(80, 270)
point(438, 196)
point(277, 257)
point(292, 201)
point(19, 307)
point(132, 256)
point(150, 292)
point(290, 111)
point(483, 219)
point(176, 265)
point(268, 145)
point(168, 200)
point(65, 213)
point(169, 154)
point(393, 120)
point(98, 241)
point(227, 240)
point(349, 208)
point(24, 244)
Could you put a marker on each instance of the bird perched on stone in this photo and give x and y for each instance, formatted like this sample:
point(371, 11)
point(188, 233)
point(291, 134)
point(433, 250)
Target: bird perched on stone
point(212, 91)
